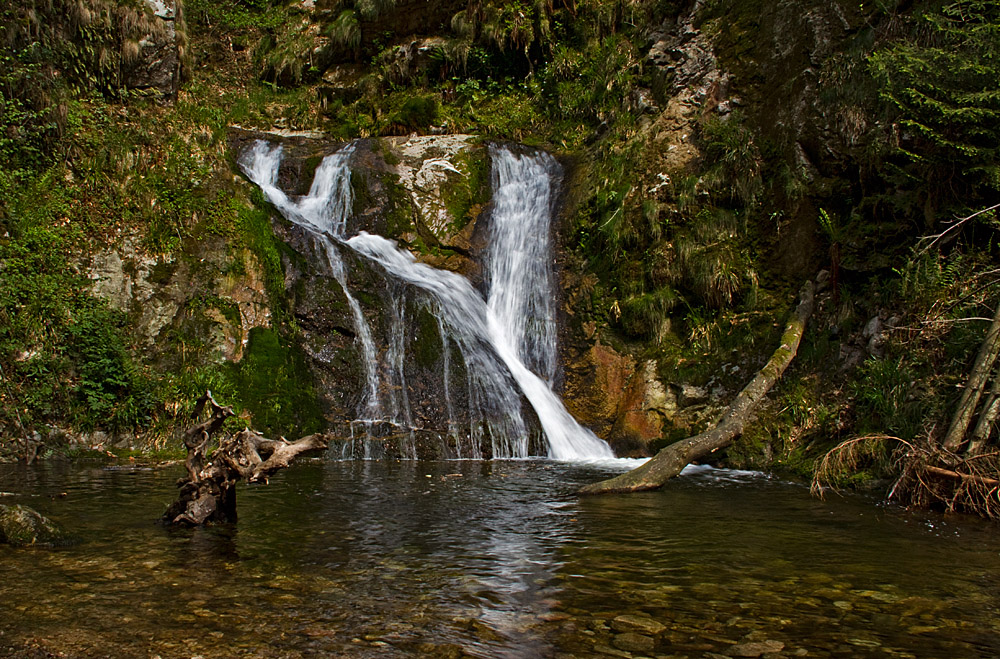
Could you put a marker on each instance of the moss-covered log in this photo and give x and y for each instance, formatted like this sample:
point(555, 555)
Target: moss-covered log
point(672, 459)
point(208, 494)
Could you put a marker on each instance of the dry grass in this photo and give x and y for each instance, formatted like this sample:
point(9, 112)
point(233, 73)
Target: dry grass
point(928, 476)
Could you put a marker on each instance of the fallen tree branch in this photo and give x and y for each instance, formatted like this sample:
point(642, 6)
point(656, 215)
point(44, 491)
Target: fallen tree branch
point(958, 223)
point(988, 353)
point(929, 476)
point(672, 459)
point(982, 480)
point(208, 494)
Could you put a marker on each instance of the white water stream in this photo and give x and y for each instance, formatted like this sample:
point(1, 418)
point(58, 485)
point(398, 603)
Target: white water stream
point(507, 341)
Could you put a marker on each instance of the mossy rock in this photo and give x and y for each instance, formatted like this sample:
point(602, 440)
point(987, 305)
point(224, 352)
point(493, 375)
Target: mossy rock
point(21, 526)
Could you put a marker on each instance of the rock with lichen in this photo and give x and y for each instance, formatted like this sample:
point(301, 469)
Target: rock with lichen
point(21, 526)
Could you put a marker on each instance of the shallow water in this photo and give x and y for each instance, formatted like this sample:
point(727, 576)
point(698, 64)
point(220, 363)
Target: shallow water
point(493, 559)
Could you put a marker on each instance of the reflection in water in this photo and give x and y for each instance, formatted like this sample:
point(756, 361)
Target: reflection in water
point(492, 559)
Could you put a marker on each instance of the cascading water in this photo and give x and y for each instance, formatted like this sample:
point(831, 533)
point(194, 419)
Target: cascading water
point(503, 340)
point(518, 274)
point(322, 212)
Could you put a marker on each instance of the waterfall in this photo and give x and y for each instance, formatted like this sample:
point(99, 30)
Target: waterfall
point(518, 274)
point(506, 341)
point(322, 212)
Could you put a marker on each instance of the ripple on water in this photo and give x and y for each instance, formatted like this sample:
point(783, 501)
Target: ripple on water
point(493, 559)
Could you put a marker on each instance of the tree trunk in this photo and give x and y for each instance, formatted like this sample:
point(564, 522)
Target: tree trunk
point(672, 459)
point(208, 494)
point(978, 378)
point(987, 418)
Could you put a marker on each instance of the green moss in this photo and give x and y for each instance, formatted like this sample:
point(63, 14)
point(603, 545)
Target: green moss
point(466, 193)
point(417, 113)
point(388, 155)
point(229, 309)
point(20, 526)
point(399, 207)
point(426, 339)
point(274, 384)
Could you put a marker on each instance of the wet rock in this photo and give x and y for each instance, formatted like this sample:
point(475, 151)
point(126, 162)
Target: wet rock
point(755, 648)
point(632, 642)
point(689, 395)
point(21, 526)
point(437, 172)
point(612, 652)
point(639, 624)
point(621, 400)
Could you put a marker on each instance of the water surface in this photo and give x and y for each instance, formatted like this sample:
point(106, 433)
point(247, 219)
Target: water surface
point(491, 559)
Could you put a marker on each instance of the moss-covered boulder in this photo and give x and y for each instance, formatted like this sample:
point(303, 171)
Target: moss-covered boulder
point(21, 526)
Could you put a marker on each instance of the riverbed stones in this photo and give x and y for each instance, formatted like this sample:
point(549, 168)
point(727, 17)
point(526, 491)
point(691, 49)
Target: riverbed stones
point(755, 648)
point(21, 526)
point(638, 624)
point(632, 642)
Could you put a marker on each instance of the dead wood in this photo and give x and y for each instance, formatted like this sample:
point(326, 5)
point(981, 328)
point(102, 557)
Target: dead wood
point(929, 476)
point(208, 494)
point(974, 386)
point(672, 459)
point(948, 473)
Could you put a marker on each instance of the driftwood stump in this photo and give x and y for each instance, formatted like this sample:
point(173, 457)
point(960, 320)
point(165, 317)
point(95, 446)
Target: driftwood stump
point(208, 493)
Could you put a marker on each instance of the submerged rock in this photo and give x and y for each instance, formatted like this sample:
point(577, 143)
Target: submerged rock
point(632, 642)
point(755, 648)
point(21, 526)
point(640, 624)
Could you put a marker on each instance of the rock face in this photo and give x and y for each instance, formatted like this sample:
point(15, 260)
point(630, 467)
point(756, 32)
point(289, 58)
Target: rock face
point(157, 68)
point(21, 526)
point(623, 401)
point(164, 295)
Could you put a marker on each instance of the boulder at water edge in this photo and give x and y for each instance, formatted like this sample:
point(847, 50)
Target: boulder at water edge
point(20, 526)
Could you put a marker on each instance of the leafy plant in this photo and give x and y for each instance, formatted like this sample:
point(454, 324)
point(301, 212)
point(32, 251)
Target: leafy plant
point(943, 87)
point(886, 400)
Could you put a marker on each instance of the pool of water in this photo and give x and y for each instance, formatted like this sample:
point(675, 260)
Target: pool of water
point(501, 559)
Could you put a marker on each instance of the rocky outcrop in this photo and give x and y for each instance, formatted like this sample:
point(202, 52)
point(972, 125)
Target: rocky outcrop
point(156, 62)
point(198, 297)
point(21, 526)
point(622, 400)
point(445, 177)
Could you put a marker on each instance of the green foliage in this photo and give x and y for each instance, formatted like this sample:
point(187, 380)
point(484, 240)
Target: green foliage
point(88, 44)
point(943, 86)
point(110, 391)
point(736, 161)
point(63, 352)
point(274, 384)
point(715, 263)
point(418, 113)
point(592, 84)
point(886, 401)
point(237, 15)
point(287, 56)
point(648, 314)
point(345, 31)
point(28, 117)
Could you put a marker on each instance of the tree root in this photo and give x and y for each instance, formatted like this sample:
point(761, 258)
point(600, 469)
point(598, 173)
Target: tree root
point(208, 494)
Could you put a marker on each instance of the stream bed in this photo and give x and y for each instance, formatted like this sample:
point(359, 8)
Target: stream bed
point(491, 559)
